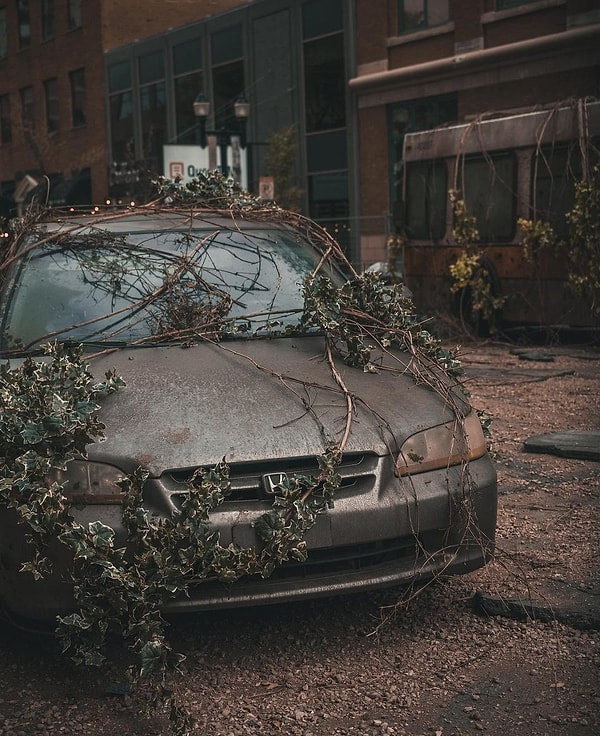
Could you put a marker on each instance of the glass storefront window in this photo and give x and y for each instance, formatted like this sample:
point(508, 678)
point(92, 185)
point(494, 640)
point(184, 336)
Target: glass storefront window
point(187, 56)
point(328, 204)
point(228, 85)
point(121, 125)
point(186, 89)
point(119, 76)
point(326, 151)
point(321, 16)
point(227, 45)
point(325, 89)
point(154, 113)
point(151, 67)
point(188, 82)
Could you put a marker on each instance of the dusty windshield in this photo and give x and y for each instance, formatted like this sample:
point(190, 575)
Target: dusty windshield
point(146, 288)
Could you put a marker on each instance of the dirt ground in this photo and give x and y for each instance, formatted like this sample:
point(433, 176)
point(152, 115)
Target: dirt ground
point(356, 665)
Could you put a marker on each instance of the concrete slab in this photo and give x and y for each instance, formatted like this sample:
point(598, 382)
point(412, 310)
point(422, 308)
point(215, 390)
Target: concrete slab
point(583, 445)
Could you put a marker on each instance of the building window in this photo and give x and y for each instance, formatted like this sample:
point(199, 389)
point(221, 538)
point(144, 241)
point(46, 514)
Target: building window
point(319, 18)
point(77, 79)
point(414, 15)
point(189, 81)
point(153, 104)
point(121, 112)
point(3, 34)
point(227, 74)
point(23, 23)
point(51, 96)
point(75, 14)
point(325, 104)
point(48, 29)
point(5, 121)
point(325, 83)
point(27, 116)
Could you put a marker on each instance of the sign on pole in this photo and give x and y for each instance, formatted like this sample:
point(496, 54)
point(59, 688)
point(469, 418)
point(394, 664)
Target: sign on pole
point(266, 187)
point(186, 162)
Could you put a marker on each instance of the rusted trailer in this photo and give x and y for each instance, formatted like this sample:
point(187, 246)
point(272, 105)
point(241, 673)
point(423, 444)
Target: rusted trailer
point(505, 167)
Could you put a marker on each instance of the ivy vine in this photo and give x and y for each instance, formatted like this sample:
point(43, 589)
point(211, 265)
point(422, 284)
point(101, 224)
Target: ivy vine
point(471, 279)
point(581, 249)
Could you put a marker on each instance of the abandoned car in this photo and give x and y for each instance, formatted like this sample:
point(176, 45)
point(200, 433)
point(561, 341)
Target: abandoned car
point(203, 314)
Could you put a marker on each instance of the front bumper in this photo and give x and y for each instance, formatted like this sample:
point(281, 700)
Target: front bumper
point(385, 533)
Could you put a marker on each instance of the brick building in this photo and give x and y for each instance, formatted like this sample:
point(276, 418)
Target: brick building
point(87, 89)
point(53, 118)
point(144, 63)
point(421, 64)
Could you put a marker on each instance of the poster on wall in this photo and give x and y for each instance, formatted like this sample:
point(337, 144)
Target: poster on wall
point(185, 162)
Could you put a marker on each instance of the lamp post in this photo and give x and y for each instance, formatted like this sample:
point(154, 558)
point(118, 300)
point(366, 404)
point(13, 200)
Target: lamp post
point(241, 109)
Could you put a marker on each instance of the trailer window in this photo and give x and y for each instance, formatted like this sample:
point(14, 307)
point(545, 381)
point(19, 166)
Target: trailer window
point(426, 195)
point(555, 170)
point(489, 187)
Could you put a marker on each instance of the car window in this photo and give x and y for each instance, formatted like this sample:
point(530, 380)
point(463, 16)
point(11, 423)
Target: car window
point(141, 286)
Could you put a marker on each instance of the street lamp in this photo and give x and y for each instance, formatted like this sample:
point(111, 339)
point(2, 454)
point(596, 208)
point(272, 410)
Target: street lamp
point(241, 109)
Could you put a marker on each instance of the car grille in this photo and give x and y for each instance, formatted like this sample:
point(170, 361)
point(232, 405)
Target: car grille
point(348, 559)
point(253, 481)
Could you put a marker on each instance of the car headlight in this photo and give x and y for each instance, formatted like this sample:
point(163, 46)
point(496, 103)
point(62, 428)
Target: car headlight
point(447, 444)
point(90, 483)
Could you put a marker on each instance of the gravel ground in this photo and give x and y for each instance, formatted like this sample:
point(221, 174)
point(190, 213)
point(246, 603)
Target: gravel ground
point(360, 665)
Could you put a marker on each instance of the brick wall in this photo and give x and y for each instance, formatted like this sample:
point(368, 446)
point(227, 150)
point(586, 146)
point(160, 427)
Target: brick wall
point(528, 25)
point(372, 33)
point(126, 21)
point(529, 92)
point(373, 166)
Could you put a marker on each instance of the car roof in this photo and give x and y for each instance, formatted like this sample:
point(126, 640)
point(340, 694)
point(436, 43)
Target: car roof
point(150, 219)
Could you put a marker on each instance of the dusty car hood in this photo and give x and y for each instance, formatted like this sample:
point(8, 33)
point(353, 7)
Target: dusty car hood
point(245, 400)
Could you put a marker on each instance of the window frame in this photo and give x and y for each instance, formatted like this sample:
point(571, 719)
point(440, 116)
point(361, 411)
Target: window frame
point(74, 14)
point(78, 97)
point(48, 19)
point(51, 100)
point(426, 22)
point(5, 120)
point(27, 109)
point(23, 24)
point(3, 34)
point(227, 74)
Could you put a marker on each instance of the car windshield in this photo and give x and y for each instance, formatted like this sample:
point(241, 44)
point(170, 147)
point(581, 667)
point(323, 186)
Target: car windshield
point(154, 287)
